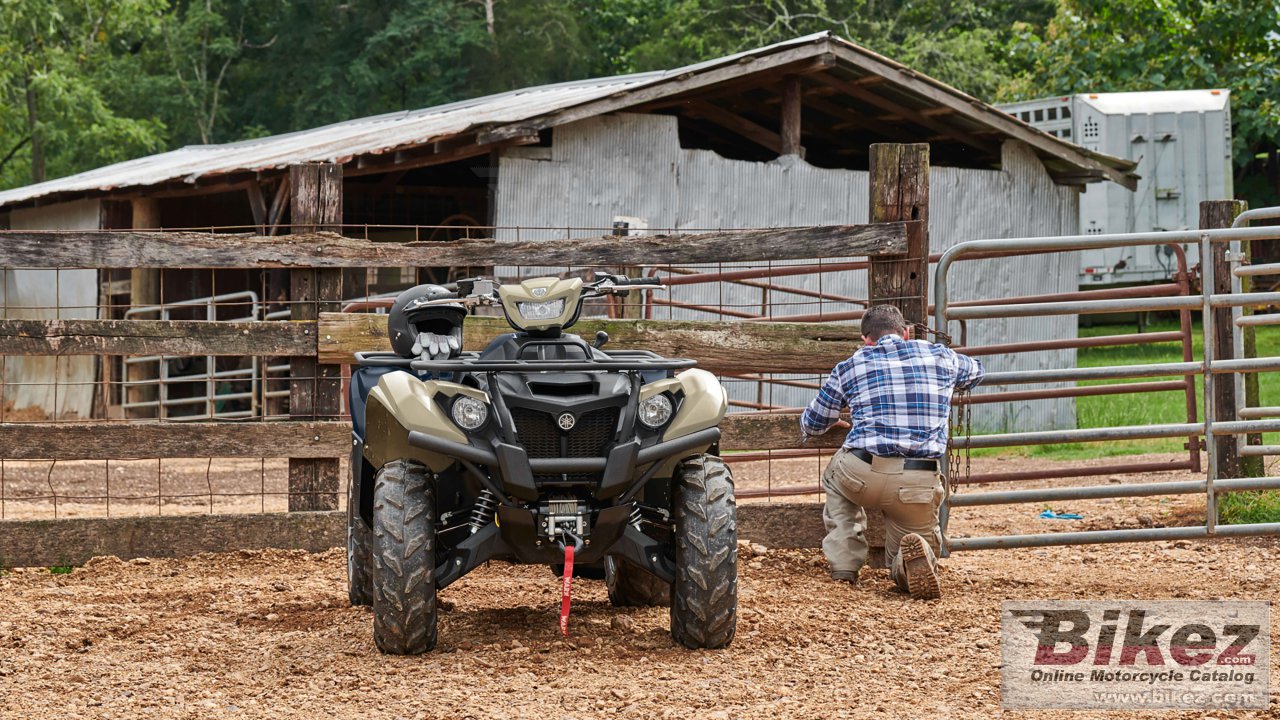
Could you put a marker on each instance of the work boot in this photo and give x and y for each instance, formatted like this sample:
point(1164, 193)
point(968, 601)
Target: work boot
point(918, 565)
point(848, 576)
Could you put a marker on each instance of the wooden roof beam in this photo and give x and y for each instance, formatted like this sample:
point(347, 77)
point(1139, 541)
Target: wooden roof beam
point(816, 54)
point(927, 112)
point(849, 87)
point(409, 159)
point(939, 94)
point(738, 125)
point(851, 119)
point(763, 80)
point(790, 124)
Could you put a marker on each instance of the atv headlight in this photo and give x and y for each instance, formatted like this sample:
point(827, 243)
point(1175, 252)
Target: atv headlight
point(468, 412)
point(549, 310)
point(655, 411)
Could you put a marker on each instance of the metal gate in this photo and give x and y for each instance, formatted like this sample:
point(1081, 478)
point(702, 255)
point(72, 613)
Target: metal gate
point(210, 392)
point(1247, 420)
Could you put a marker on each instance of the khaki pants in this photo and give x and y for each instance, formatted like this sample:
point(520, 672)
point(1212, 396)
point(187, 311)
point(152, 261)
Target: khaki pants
point(908, 498)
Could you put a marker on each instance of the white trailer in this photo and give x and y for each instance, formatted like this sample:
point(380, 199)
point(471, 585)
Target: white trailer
point(1182, 142)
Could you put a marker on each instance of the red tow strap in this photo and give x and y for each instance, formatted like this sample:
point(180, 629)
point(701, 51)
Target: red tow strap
point(566, 590)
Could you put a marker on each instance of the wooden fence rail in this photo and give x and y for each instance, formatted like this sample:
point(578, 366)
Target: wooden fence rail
point(156, 337)
point(721, 347)
point(169, 249)
point(289, 439)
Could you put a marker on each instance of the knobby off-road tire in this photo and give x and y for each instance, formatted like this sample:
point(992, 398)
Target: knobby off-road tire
point(359, 551)
point(630, 585)
point(704, 597)
point(404, 583)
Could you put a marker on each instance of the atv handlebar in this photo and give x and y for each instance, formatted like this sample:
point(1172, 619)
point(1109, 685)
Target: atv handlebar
point(623, 362)
point(619, 361)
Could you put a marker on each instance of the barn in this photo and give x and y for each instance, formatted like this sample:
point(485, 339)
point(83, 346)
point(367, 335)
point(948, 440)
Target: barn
point(772, 137)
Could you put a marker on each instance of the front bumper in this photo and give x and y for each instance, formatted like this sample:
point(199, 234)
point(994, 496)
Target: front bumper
point(511, 470)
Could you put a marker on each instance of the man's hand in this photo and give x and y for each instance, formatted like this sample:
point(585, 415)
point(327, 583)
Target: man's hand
point(805, 437)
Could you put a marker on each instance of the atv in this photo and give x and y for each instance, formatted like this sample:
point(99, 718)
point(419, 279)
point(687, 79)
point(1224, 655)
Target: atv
point(541, 449)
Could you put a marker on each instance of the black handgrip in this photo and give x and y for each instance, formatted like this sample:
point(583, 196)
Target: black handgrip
point(623, 281)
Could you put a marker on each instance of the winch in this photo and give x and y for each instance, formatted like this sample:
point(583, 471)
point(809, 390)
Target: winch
point(564, 515)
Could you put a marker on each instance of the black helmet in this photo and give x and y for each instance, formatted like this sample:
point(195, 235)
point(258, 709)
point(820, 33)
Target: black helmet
point(412, 322)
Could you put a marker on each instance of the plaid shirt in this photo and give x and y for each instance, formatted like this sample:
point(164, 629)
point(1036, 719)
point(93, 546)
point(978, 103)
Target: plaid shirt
point(899, 395)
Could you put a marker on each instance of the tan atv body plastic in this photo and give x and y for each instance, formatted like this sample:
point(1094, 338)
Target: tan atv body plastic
point(402, 403)
point(541, 290)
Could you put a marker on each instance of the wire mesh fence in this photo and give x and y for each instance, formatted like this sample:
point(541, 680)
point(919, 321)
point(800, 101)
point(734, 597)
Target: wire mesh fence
point(83, 383)
point(227, 356)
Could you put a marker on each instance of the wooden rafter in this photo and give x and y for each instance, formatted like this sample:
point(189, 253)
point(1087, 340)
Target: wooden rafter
point(791, 114)
point(737, 124)
point(849, 118)
point(411, 159)
point(257, 204)
point(938, 94)
point(871, 98)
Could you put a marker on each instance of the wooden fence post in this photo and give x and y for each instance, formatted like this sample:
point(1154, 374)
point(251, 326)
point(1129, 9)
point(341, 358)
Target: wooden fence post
point(1216, 214)
point(315, 391)
point(899, 191)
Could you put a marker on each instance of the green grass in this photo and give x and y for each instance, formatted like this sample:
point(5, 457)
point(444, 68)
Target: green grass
point(1156, 408)
point(61, 569)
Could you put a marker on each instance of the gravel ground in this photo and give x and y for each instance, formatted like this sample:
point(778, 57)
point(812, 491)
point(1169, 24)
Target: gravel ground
point(269, 635)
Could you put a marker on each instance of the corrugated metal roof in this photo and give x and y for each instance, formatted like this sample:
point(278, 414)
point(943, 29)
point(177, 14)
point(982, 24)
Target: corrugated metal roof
point(372, 136)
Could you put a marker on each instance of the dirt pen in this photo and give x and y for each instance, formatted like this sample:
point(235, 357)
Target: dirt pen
point(269, 634)
point(220, 594)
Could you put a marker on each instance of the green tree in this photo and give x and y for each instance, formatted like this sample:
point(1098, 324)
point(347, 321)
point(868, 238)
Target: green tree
point(1130, 45)
point(334, 60)
point(60, 62)
point(961, 42)
point(202, 40)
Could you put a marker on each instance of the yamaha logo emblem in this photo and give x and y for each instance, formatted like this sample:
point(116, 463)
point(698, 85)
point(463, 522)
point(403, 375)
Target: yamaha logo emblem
point(538, 292)
point(566, 421)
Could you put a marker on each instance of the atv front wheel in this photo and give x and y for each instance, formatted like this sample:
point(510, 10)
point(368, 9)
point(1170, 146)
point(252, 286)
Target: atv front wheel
point(359, 551)
point(630, 585)
point(404, 582)
point(704, 597)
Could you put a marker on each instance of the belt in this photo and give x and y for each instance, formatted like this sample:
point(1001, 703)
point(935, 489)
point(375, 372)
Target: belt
point(908, 463)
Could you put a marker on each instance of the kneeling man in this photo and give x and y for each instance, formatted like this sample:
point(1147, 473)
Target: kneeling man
point(898, 392)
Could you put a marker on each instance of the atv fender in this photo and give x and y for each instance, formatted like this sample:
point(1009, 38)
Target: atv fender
point(704, 406)
point(402, 402)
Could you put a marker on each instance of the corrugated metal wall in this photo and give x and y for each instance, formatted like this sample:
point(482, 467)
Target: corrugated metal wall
point(51, 385)
point(632, 165)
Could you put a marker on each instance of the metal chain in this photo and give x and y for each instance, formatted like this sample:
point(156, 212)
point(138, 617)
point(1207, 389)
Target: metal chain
point(920, 329)
point(961, 416)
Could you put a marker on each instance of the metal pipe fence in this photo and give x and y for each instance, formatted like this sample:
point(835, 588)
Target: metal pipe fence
point(1206, 368)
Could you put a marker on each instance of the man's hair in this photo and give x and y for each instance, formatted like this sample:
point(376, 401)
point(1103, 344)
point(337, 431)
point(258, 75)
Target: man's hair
point(882, 320)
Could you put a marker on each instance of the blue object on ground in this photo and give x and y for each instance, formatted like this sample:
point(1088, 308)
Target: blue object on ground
point(1051, 515)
